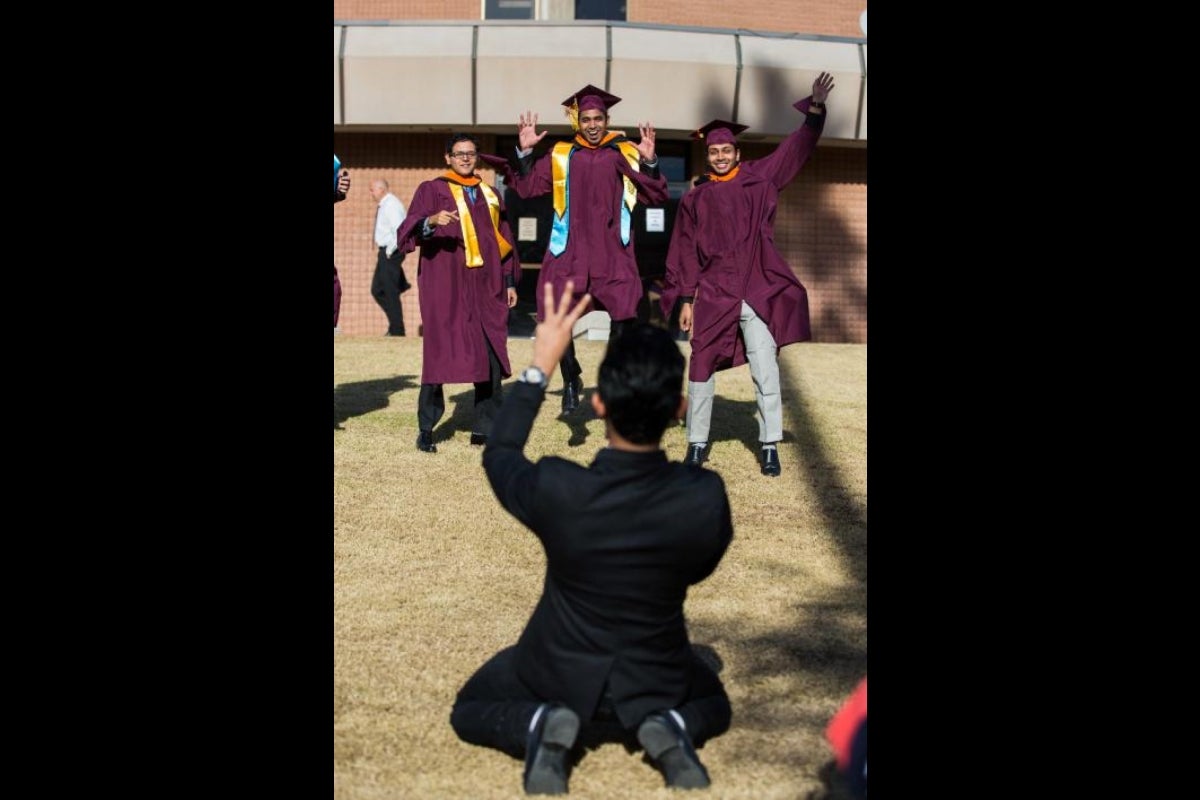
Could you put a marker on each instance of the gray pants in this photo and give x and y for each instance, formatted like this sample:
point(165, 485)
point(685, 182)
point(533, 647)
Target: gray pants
point(764, 370)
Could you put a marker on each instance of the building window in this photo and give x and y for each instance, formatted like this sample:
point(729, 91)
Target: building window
point(600, 9)
point(554, 9)
point(509, 9)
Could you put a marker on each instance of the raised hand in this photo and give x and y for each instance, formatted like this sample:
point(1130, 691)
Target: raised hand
point(821, 87)
point(343, 182)
point(554, 332)
point(646, 146)
point(527, 134)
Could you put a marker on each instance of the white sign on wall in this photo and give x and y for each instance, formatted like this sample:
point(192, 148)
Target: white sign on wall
point(527, 229)
point(655, 217)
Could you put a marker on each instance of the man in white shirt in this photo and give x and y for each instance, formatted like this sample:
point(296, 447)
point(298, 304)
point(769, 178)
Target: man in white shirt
point(389, 281)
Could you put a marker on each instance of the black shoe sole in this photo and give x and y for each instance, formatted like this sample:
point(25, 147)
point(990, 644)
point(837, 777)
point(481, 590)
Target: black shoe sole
point(548, 773)
point(681, 768)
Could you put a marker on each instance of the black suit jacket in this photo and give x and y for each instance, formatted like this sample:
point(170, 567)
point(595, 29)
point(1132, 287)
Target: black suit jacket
point(624, 538)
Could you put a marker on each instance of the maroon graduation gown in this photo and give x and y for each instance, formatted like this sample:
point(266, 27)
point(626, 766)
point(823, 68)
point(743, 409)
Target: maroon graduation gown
point(723, 251)
point(459, 306)
point(594, 258)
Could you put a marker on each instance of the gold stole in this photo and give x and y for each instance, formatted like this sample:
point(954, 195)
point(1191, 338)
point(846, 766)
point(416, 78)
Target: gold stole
point(470, 239)
point(558, 169)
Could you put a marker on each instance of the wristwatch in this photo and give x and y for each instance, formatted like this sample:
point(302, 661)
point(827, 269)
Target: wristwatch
point(533, 375)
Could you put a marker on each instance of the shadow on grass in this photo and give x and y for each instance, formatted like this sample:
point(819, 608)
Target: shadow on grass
point(460, 417)
point(577, 420)
point(736, 421)
point(822, 639)
point(363, 397)
point(823, 643)
point(833, 785)
point(845, 514)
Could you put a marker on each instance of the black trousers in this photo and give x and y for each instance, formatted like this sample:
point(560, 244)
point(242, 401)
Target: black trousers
point(431, 402)
point(494, 709)
point(387, 285)
point(570, 366)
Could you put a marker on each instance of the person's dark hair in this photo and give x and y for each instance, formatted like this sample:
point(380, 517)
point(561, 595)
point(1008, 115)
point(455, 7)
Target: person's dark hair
point(641, 382)
point(460, 137)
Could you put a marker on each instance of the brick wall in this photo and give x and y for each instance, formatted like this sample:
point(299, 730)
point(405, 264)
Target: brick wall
point(407, 9)
point(829, 17)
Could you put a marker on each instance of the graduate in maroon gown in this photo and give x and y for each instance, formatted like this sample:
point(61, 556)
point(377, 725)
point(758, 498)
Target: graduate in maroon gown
point(740, 299)
point(597, 178)
point(466, 278)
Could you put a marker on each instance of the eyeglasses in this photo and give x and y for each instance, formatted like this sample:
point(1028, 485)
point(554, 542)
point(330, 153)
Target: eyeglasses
point(464, 156)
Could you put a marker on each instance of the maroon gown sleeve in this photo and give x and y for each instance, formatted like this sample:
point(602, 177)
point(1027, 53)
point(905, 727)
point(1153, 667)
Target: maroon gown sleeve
point(512, 264)
point(651, 191)
point(536, 183)
point(784, 163)
point(683, 266)
point(426, 202)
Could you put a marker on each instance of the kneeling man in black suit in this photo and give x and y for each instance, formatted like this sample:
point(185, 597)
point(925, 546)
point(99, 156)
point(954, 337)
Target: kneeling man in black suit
point(606, 653)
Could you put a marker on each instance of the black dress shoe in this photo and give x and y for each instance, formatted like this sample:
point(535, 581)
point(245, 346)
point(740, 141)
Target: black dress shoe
point(770, 461)
point(548, 750)
point(697, 453)
point(478, 438)
point(670, 748)
point(571, 392)
point(425, 442)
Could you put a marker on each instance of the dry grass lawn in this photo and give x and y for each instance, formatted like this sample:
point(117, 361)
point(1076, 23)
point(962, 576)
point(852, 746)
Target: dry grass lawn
point(431, 577)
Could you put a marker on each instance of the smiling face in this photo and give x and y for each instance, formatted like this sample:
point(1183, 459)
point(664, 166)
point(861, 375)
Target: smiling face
point(723, 157)
point(593, 124)
point(463, 157)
